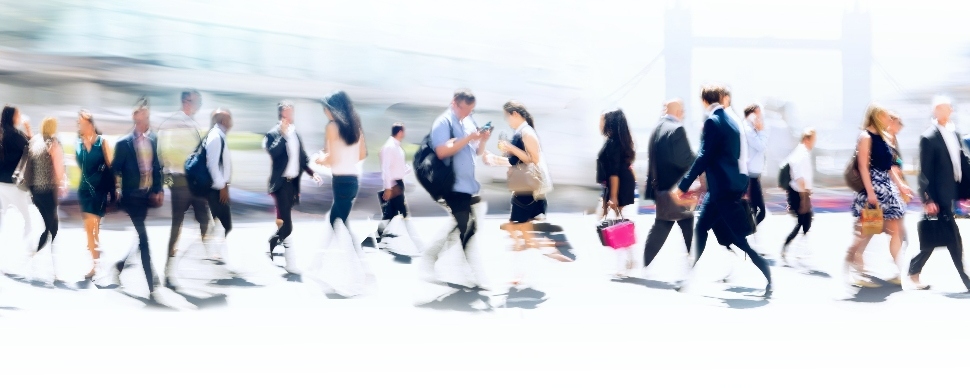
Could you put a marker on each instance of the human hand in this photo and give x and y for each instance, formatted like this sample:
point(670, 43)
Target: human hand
point(872, 199)
point(224, 195)
point(317, 179)
point(388, 194)
point(931, 208)
point(284, 125)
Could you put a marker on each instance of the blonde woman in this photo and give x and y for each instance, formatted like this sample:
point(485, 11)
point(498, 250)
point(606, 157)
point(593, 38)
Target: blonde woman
point(47, 181)
point(93, 155)
point(883, 188)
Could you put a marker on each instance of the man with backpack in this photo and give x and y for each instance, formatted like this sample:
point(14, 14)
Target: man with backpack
point(219, 165)
point(799, 187)
point(456, 141)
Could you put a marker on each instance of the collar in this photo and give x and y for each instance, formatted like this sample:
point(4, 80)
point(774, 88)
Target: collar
point(949, 127)
point(714, 107)
point(671, 118)
point(136, 135)
point(396, 141)
point(522, 126)
point(219, 127)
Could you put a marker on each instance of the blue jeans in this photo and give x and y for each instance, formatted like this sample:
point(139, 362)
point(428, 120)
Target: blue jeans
point(344, 193)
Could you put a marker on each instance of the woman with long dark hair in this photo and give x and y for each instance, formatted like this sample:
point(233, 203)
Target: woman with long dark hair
point(13, 143)
point(614, 171)
point(523, 150)
point(343, 151)
point(93, 155)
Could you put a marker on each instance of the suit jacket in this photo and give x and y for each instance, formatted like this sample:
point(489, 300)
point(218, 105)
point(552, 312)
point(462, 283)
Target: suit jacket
point(125, 165)
point(669, 151)
point(936, 182)
point(276, 147)
point(718, 157)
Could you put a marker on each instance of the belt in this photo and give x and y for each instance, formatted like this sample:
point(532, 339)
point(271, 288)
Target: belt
point(289, 179)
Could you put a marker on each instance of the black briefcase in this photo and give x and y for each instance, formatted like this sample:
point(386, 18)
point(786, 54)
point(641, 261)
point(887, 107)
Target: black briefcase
point(749, 218)
point(936, 232)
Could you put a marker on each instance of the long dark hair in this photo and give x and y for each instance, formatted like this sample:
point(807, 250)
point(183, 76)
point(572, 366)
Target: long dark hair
point(344, 115)
point(616, 129)
point(517, 107)
point(6, 124)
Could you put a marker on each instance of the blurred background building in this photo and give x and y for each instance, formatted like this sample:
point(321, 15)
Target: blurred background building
point(810, 64)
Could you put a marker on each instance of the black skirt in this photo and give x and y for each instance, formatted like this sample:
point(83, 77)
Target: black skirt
point(526, 208)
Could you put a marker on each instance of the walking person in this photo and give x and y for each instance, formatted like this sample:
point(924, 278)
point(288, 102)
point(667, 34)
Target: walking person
point(48, 183)
point(670, 157)
point(456, 137)
point(96, 188)
point(882, 189)
point(757, 139)
point(941, 171)
point(178, 137)
point(219, 164)
point(13, 144)
point(614, 172)
point(345, 148)
point(800, 188)
point(136, 163)
point(720, 160)
point(289, 161)
point(393, 170)
point(521, 151)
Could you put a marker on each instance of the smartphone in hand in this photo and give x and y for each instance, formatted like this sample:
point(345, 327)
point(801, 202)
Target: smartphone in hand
point(486, 128)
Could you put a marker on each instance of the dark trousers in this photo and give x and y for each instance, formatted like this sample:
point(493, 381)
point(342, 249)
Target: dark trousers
point(956, 253)
point(713, 215)
point(285, 198)
point(393, 207)
point(46, 202)
point(220, 211)
point(658, 236)
point(136, 205)
point(460, 205)
point(756, 196)
point(182, 199)
point(345, 189)
point(804, 220)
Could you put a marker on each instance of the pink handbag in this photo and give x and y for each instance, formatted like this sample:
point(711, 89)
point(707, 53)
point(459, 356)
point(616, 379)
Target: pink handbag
point(617, 234)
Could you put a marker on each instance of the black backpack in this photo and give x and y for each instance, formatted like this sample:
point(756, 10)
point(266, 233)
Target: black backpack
point(437, 176)
point(197, 170)
point(784, 177)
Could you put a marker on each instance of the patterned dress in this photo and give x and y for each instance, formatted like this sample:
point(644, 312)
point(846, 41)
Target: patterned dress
point(881, 161)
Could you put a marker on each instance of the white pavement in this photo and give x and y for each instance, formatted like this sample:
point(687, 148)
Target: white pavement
point(579, 329)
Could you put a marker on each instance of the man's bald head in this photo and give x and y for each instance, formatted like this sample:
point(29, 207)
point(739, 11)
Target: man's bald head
point(675, 108)
point(223, 117)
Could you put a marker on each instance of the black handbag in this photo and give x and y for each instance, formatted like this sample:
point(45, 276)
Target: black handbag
point(936, 232)
point(751, 225)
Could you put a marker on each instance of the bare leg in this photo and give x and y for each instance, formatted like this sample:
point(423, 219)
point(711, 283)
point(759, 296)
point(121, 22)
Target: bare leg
point(92, 228)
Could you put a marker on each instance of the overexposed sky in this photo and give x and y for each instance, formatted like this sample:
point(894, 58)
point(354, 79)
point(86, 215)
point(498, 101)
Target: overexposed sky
point(916, 45)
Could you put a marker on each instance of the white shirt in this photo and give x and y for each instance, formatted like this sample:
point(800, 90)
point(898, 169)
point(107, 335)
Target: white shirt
point(393, 166)
point(948, 132)
point(178, 136)
point(292, 153)
point(757, 145)
point(221, 175)
point(800, 162)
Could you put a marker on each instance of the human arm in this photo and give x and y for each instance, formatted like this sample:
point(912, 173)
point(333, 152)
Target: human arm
point(330, 136)
point(446, 146)
point(681, 155)
point(927, 191)
point(362, 147)
point(864, 150)
point(709, 142)
point(530, 154)
point(213, 153)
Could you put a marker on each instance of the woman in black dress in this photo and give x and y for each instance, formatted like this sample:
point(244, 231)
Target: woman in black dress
point(614, 171)
point(526, 207)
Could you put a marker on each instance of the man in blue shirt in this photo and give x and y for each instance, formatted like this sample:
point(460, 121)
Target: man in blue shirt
point(456, 138)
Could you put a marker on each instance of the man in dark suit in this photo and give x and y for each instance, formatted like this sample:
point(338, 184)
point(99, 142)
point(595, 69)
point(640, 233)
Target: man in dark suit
point(136, 162)
point(670, 157)
point(719, 159)
point(941, 159)
point(290, 161)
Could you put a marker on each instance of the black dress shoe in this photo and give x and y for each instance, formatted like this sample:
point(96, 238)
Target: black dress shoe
point(273, 242)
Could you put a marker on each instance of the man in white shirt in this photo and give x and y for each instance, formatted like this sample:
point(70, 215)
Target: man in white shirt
point(289, 161)
point(219, 164)
point(754, 131)
point(942, 165)
point(393, 169)
point(178, 137)
point(800, 188)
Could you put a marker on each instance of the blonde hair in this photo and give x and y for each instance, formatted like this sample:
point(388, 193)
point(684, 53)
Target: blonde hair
point(49, 127)
point(872, 119)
